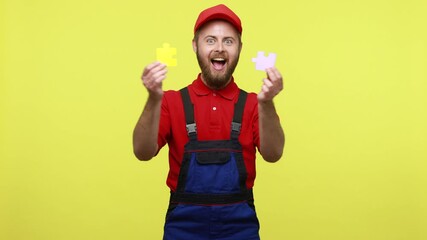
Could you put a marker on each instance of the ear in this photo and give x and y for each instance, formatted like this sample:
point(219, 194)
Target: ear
point(194, 46)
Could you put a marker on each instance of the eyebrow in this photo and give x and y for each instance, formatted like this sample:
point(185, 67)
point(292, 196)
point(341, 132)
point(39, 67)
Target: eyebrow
point(212, 36)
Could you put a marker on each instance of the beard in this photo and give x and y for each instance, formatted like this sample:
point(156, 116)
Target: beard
point(216, 80)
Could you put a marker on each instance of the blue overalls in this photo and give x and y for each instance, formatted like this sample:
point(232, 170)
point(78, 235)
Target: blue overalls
point(211, 200)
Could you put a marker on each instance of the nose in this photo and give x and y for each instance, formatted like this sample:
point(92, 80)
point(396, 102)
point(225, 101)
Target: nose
point(219, 47)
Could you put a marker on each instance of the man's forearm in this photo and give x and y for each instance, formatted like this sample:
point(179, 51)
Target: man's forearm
point(146, 130)
point(272, 138)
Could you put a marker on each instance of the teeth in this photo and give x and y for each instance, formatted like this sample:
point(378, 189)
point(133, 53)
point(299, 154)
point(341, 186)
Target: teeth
point(218, 59)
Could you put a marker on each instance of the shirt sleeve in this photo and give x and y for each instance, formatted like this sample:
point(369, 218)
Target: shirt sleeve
point(254, 119)
point(164, 124)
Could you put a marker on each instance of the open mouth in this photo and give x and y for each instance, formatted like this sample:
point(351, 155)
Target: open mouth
point(218, 63)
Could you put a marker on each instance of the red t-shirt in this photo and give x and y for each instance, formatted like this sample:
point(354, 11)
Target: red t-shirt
point(213, 113)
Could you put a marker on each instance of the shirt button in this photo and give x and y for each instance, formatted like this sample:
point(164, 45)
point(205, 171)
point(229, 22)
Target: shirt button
point(214, 94)
point(214, 108)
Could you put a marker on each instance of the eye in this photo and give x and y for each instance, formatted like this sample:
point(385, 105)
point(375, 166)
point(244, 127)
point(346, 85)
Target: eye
point(210, 41)
point(228, 42)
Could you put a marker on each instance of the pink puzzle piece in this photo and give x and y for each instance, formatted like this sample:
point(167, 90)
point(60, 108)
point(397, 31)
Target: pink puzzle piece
point(263, 62)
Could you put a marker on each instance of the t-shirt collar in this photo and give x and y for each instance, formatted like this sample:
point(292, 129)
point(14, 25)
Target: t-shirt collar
point(229, 92)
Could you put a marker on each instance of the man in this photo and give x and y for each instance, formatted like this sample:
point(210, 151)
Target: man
point(213, 129)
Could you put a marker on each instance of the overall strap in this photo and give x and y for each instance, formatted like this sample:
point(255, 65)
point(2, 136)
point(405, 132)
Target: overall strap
point(189, 114)
point(236, 125)
point(238, 114)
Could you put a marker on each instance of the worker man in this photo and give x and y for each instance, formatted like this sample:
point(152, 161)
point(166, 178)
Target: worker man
point(212, 128)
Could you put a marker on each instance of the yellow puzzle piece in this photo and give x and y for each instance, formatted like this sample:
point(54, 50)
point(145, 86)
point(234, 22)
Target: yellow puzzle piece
point(166, 55)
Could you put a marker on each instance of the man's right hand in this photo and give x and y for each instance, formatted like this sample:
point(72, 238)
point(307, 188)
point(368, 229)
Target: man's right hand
point(153, 77)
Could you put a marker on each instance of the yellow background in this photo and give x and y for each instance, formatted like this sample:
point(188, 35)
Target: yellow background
point(354, 109)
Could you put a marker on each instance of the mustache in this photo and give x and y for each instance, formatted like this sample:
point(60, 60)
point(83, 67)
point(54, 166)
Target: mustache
point(219, 55)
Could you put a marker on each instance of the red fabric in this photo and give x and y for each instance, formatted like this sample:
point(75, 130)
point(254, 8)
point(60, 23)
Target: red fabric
point(211, 124)
point(218, 12)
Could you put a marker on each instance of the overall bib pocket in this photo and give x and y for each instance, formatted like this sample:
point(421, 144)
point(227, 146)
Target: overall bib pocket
point(212, 172)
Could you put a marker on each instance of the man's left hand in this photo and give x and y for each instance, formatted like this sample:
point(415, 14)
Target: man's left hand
point(272, 85)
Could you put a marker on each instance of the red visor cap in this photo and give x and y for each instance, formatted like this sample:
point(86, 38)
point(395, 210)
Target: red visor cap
point(218, 12)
